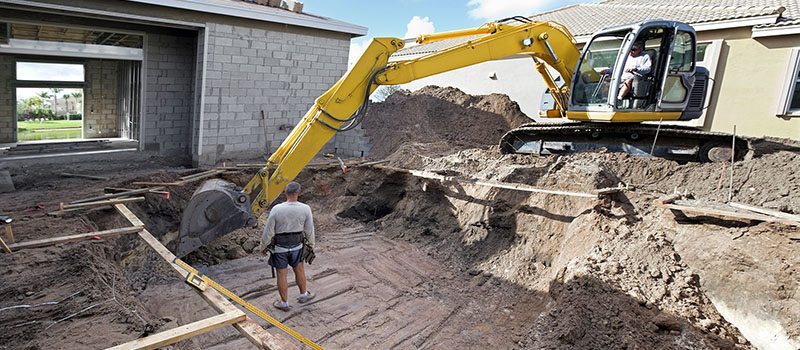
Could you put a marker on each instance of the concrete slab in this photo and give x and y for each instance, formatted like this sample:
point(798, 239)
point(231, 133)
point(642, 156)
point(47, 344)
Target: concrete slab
point(6, 185)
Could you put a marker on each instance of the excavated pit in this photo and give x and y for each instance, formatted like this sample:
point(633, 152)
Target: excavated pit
point(405, 262)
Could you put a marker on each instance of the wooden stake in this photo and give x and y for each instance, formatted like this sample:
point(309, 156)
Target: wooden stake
point(187, 331)
point(9, 233)
point(733, 158)
point(5, 247)
point(75, 238)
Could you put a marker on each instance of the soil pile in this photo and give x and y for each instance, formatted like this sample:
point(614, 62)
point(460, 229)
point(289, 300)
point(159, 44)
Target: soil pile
point(434, 114)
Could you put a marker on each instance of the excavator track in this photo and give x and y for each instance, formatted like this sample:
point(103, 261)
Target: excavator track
point(669, 142)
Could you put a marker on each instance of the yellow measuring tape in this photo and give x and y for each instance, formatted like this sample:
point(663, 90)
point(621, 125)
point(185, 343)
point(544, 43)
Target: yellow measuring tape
point(194, 275)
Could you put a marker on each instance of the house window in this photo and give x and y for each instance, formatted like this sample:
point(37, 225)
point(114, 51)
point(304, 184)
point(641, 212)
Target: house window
point(790, 102)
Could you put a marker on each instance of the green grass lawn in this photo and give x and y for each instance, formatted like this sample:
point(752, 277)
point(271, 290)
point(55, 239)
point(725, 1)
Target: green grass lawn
point(37, 131)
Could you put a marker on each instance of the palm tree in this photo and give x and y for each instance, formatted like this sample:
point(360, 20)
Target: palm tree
point(45, 96)
point(55, 91)
point(77, 96)
point(66, 103)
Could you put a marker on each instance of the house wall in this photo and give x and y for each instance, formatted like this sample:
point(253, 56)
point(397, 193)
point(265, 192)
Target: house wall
point(100, 99)
point(8, 126)
point(749, 85)
point(253, 69)
point(169, 93)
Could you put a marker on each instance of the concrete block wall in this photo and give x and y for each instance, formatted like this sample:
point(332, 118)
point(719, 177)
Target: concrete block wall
point(8, 128)
point(169, 97)
point(353, 143)
point(100, 102)
point(276, 69)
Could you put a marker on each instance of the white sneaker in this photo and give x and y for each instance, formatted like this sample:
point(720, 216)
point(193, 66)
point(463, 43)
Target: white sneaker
point(302, 299)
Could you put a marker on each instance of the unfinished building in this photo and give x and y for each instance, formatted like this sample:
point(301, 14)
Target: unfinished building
point(210, 81)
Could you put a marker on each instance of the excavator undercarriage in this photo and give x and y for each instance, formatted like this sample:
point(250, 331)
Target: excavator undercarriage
point(670, 142)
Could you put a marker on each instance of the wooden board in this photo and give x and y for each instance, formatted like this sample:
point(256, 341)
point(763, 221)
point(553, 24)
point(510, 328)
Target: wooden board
point(101, 203)
point(5, 246)
point(496, 184)
point(116, 195)
point(249, 328)
point(75, 238)
point(728, 214)
point(187, 331)
point(9, 233)
point(765, 211)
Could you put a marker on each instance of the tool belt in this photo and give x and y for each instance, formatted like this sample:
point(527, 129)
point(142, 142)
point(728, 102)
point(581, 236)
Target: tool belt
point(289, 239)
point(308, 252)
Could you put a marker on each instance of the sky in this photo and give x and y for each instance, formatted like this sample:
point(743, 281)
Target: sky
point(409, 18)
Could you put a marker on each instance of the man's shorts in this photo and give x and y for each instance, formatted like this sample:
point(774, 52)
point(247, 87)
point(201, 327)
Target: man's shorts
point(286, 259)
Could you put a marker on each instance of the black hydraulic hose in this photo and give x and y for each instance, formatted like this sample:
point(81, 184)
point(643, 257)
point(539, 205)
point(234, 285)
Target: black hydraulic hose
point(357, 117)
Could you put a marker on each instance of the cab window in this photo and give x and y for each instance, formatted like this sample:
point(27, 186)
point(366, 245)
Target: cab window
point(682, 53)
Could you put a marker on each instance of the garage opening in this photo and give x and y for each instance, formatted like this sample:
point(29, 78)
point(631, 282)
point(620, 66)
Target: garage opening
point(51, 106)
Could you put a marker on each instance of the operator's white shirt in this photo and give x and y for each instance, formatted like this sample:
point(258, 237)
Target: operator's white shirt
point(642, 64)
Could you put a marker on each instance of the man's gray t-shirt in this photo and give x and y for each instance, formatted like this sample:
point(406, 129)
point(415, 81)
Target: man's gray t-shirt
point(289, 217)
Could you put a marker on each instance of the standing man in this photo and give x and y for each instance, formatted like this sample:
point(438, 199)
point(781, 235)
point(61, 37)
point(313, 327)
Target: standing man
point(288, 224)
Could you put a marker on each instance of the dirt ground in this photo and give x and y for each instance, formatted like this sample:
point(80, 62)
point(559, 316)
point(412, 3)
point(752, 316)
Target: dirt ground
point(410, 263)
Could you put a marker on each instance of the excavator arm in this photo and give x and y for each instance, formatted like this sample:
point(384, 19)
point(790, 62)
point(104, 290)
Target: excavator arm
point(217, 208)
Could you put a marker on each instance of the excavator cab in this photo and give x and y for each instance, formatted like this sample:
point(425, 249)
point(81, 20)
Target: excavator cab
point(672, 89)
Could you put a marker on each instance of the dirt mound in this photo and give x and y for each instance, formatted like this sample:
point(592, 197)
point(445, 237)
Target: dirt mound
point(434, 114)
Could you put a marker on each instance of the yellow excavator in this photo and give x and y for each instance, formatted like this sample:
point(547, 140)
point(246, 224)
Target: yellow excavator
point(583, 88)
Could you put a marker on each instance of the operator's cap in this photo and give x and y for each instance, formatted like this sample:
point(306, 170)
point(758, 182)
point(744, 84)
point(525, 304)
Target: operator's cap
point(292, 188)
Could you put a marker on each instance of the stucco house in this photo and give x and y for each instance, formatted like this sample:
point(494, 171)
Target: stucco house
point(213, 79)
point(750, 47)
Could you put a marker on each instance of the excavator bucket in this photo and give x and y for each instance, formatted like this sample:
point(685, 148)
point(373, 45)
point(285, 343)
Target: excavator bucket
point(217, 208)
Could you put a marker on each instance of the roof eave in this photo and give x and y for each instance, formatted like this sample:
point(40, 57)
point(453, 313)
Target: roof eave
point(776, 31)
point(266, 15)
point(714, 25)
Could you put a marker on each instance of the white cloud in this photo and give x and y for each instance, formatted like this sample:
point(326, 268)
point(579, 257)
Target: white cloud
point(499, 9)
point(357, 48)
point(419, 25)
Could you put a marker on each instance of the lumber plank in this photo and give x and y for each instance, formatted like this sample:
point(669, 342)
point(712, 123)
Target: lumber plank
point(203, 173)
point(669, 198)
point(149, 183)
point(5, 246)
point(212, 173)
point(179, 333)
point(101, 203)
point(74, 238)
point(765, 211)
point(727, 214)
point(248, 328)
point(116, 195)
point(92, 177)
point(488, 183)
point(9, 233)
